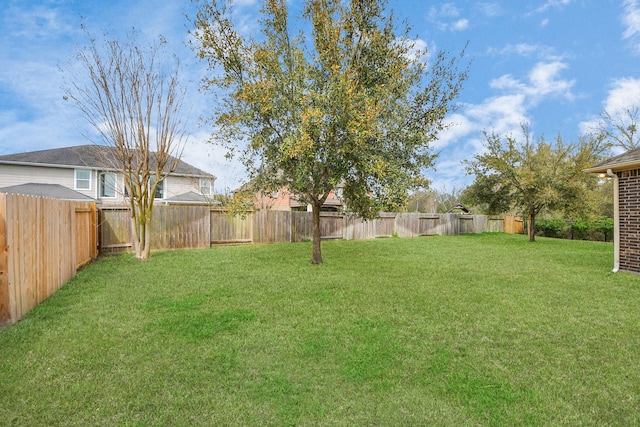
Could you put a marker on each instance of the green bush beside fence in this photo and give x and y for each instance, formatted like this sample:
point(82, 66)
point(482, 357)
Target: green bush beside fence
point(599, 228)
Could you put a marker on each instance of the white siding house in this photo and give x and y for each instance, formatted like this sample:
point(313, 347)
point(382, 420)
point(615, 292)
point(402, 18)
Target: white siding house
point(85, 169)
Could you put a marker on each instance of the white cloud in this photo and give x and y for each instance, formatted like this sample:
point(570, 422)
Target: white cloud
point(527, 50)
point(447, 17)
point(624, 93)
point(503, 114)
point(448, 10)
point(460, 126)
point(37, 21)
point(417, 49)
point(489, 9)
point(545, 81)
point(631, 21)
point(230, 174)
point(500, 114)
point(460, 25)
point(557, 4)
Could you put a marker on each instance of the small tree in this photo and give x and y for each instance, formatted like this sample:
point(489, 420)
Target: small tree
point(531, 176)
point(346, 99)
point(123, 92)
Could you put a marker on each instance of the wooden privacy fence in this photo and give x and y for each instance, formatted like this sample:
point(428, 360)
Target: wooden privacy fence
point(199, 226)
point(173, 227)
point(42, 243)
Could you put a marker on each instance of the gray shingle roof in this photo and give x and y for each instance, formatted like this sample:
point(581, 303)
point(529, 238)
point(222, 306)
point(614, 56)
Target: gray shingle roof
point(624, 161)
point(88, 156)
point(191, 197)
point(53, 191)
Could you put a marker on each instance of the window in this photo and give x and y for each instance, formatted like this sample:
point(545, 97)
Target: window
point(107, 184)
point(159, 189)
point(206, 186)
point(83, 179)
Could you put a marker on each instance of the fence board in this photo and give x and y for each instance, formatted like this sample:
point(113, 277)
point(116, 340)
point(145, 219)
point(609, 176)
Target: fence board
point(385, 225)
point(301, 226)
point(494, 224)
point(114, 229)
point(271, 226)
point(42, 243)
point(358, 229)
point(226, 228)
point(331, 225)
point(5, 306)
point(513, 225)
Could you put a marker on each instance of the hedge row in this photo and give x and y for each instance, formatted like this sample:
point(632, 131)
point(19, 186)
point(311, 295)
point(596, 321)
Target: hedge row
point(600, 228)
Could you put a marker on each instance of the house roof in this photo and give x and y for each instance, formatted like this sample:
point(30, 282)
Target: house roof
point(54, 191)
point(191, 197)
point(86, 156)
point(624, 161)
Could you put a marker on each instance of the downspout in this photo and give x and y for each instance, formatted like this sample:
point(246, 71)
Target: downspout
point(616, 221)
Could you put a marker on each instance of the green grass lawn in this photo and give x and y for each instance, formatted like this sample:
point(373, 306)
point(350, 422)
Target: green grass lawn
point(484, 330)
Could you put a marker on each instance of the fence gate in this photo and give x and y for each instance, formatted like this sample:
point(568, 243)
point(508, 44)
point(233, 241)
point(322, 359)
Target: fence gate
point(85, 238)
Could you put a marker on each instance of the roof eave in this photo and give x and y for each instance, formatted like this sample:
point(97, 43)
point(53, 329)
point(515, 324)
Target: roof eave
point(614, 167)
point(52, 165)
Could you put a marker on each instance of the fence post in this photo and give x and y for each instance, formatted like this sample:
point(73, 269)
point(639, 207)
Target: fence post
point(5, 306)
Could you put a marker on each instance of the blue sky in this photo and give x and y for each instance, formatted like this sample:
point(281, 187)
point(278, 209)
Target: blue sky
point(555, 64)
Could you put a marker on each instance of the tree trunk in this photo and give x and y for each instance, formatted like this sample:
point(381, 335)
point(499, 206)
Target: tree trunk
point(135, 232)
point(146, 247)
point(141, 237)
point(316, 257)
point(532, 227)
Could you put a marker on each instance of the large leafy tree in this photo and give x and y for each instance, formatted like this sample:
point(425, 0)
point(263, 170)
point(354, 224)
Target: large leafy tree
point(127, 94)
point(345, 97)
point(533, 176)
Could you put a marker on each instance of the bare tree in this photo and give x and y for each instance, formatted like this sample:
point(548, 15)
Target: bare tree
point(134, 104)
point(621, 129)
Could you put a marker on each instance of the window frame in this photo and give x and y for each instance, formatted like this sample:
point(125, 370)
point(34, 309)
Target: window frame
point(159, 189)
point(209, 186)
point(77, 179)
point(101, 185)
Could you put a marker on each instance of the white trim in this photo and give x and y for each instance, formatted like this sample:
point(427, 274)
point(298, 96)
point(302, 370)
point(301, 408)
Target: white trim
point(210, 185)
point(616, 220)
point(75, 179)
point(115, 185)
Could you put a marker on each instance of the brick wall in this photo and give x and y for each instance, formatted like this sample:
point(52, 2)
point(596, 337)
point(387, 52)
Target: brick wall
point(629, 220)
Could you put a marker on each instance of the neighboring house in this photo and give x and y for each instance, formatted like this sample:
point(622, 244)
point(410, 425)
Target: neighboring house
point(283, 200)
point(88, 171)
point(625, 172)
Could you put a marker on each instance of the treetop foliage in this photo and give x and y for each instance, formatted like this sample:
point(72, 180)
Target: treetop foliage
point(344, 97)
point(532, 176)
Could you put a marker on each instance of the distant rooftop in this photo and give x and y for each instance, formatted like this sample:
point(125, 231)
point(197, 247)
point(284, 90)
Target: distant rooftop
point(191, 197)
point(87, 156)
point(53, 191)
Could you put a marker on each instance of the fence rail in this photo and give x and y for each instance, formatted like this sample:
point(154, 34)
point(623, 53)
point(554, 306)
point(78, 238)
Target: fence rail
point(42, 244)
point(196, 226)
